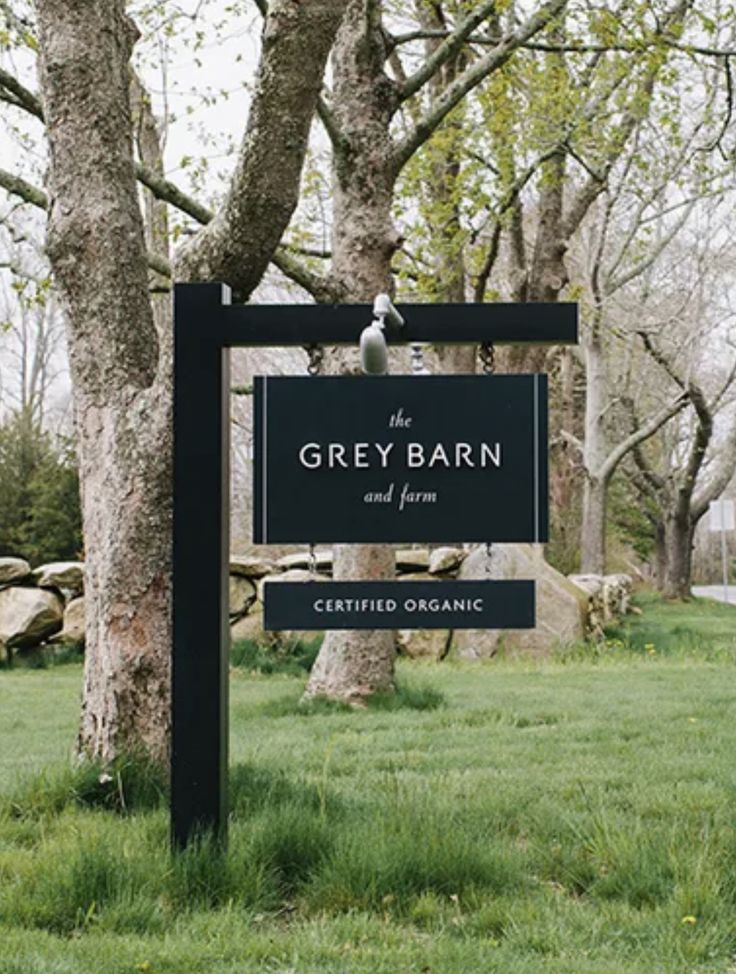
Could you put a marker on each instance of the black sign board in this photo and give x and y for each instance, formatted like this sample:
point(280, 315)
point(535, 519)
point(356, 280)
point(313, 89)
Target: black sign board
point(399, 605)
point(400, 459)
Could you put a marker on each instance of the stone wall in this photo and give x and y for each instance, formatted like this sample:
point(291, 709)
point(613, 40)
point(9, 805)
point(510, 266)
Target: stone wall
point(41, 605)
point(46, 605)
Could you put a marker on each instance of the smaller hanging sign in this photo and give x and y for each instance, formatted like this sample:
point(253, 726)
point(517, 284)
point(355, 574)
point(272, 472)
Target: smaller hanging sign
point(399, 605)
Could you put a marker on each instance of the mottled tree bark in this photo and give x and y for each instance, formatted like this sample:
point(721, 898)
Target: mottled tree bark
point(353, 665)
point(122, 402)
point(593, 529)
point(678, 549)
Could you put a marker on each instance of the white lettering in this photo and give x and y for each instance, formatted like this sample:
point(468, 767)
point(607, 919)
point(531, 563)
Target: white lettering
point(310, 461)
point(336, 455)
point(384, 452)
point(414, 455)
point(439, 456)
point(491, 452)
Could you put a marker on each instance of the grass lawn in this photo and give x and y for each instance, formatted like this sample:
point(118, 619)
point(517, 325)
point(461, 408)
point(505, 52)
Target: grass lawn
point(572, 816)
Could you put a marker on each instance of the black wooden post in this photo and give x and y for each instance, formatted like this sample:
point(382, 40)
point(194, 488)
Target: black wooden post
point(199, 755)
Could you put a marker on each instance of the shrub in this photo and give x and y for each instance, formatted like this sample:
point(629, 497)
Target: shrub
point(40, 516)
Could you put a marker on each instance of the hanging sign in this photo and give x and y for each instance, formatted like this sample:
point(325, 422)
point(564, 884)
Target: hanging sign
point(399, 605)
point(400, 459)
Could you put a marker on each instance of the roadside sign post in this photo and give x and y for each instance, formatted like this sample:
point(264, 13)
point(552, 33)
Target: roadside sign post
point(722, 518)
point(206, 327)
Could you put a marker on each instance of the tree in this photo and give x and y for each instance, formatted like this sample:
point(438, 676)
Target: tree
point(120, 351)
point(689, 478)
point(40, 518)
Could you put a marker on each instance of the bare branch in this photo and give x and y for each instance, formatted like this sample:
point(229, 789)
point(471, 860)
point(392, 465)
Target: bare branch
point(481, 283)
point(19, 187)
point(637, 110)
point(654, 254)
point(315, 284)
point(336, 136)
point(447, 50)
point(719, 478)
point(643, 433)
point(471, 78)
point(567, 47)
point(573, 440)
point(164, 189)
point(633, 48)
point(23, 97)
point(661, 359)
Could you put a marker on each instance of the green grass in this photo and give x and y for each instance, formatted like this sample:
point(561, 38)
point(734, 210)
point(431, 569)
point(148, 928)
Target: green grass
point(290, 657)
point(559, 818)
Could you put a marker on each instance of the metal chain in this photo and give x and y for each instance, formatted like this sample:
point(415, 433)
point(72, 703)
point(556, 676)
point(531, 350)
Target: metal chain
point(316, 355)
point(487, 354)
point(417, 360)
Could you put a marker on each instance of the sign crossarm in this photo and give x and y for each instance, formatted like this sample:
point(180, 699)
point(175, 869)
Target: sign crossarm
point(437, 324)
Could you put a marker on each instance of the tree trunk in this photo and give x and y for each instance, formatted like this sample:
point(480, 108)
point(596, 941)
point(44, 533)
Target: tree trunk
point(593, 527)
point(660, 556)
point(678, 548)
point(593, 532)
point(353, 665)
point(122, 396)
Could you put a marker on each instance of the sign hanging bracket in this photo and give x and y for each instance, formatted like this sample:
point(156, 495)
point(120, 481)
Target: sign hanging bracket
point(373, 347)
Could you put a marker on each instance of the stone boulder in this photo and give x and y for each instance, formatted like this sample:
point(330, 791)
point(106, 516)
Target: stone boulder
point(249, 627)
point(250, 566)
point(242, 596)
point(301, 559)
point(13, 571)
point(28, 616)
point(412, 560)
point(66, 575)
point(561, 605)
point(293, 575)
point(595, 613)
point(608, 599)
point(445, 560)
point(74, 627)
point(617, 594)
point(424, 643)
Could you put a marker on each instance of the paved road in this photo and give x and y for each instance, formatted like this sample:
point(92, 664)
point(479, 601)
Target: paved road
point(716, 592)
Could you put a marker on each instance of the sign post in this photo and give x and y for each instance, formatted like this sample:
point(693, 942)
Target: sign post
point(721, 518)
point(206, 327)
